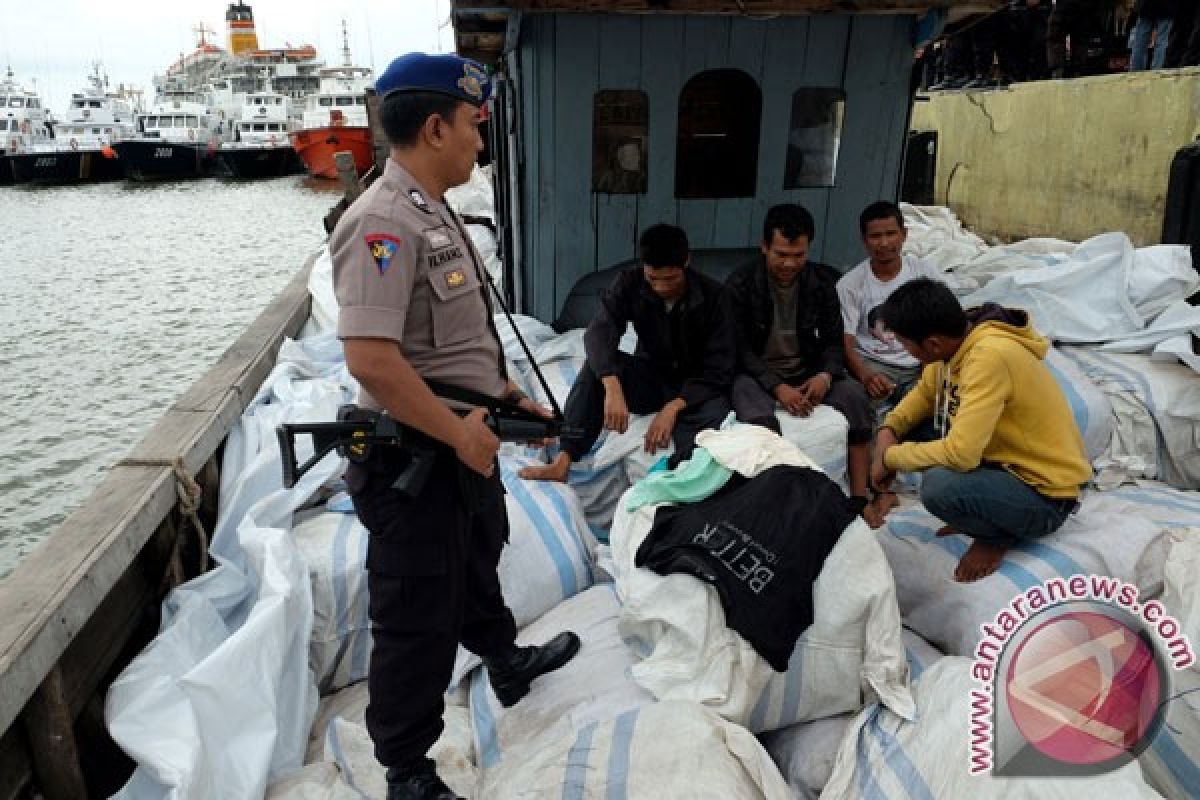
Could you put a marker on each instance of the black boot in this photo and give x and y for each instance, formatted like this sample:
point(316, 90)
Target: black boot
point(418, 783)
point(512, 671)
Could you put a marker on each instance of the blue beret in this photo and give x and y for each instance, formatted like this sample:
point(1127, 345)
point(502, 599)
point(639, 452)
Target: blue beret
point(445, 74)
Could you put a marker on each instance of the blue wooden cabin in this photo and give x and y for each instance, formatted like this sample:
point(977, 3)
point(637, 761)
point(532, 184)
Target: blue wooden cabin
point(612, 116)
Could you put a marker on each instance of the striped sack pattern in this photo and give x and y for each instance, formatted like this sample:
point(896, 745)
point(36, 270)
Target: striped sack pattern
point(593, 687)
point(884, 757)
point(1156, 407)
point(667, 751)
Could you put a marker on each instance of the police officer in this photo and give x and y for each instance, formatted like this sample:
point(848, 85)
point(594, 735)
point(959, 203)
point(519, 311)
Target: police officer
point(414, 306)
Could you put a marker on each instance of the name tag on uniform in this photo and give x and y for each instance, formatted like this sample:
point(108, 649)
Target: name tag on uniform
point(455, 278)
point(444, 256)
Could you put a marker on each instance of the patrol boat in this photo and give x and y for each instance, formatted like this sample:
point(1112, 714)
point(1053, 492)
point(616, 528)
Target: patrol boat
point(260, 147)
point(335, 119)
point(23, 123)
point(176, 139)
point(81, 150)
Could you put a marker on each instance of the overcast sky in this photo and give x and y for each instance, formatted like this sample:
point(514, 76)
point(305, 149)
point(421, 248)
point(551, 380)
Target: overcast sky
point(55, 42)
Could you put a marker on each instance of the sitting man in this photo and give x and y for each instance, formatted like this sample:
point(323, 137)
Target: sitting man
point(790, 342)
point(681, 372)
point(1005, 462)
point(873, 355)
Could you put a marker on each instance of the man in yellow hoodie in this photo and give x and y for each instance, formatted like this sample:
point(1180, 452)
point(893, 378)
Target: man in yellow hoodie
point(1004, 460)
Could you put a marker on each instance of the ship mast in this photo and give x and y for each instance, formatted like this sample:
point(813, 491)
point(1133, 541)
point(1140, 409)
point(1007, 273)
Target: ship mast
point(345, 46)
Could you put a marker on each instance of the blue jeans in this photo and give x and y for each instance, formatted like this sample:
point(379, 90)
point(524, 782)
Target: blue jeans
point(991, 504)
point(1141, 43)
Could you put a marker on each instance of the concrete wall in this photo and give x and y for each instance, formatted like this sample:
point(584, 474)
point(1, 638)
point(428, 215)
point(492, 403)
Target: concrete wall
point(1063, 158)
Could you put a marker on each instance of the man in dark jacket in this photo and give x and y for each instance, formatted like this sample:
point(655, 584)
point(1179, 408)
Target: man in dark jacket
point(789, 328)
point(683, 366)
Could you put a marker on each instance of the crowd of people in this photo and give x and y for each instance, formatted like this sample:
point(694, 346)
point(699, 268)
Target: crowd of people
point(1030, 40)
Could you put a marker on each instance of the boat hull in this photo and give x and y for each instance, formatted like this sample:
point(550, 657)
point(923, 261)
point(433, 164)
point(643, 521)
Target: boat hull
point(6, 173)
point(65, 167)
point(316, 147)
point(248, 163)
point(156, 160)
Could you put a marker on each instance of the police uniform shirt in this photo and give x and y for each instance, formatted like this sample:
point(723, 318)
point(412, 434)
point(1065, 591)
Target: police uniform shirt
point(404, 269)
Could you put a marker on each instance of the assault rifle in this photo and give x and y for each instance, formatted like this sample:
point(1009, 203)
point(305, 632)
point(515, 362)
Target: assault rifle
point(358, 430)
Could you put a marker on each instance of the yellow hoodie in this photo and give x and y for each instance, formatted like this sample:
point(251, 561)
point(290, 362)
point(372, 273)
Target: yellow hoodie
point(1002, 407)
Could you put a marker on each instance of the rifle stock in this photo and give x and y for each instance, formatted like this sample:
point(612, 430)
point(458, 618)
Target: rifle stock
point(360, 430)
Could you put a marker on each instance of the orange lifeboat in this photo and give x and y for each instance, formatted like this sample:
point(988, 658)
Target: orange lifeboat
point(316, 146)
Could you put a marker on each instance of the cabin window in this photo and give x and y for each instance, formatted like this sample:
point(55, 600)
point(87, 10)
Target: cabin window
point(94, 104)
point(360, 101)
point(15, 102)
point(814, 135)
point(619, 129)
point(259, 127)
point(3, 124)
point(325, 101)
point(716, 153)
point(163, 122)
point(96, 131)
point(34, 103)
point(345, 101)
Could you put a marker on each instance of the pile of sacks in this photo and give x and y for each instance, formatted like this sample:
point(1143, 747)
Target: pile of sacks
point(663, 700)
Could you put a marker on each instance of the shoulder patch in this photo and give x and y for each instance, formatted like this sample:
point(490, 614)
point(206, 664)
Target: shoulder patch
point(418, 199)
point(383, 247)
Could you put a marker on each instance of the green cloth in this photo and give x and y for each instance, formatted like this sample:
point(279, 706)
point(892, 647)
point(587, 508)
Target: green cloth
point(692, 481)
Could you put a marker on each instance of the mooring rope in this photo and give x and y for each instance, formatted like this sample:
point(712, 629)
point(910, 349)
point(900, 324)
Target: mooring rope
point(189, 494)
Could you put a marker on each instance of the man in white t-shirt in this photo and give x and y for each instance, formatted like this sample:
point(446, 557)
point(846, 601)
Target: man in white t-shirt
point(873, 354)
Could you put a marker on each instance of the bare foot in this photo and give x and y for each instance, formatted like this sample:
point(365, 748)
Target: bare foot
point(945, 530)
point(556, 470)
point(980, 560)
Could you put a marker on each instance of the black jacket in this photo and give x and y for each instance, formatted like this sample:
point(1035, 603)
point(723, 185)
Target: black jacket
point(762, 544)
point(706, 342)
point(818, 320)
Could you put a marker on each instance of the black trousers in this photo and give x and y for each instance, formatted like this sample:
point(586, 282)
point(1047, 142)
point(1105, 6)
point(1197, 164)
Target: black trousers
point(756, 405)
point(431, 576)
point(1022, 45)
point(646, 392)
point(1070, 18)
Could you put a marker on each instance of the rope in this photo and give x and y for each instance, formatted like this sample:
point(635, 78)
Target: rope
point(189, 494)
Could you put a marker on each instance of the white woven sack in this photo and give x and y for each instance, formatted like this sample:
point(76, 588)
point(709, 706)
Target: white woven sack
point(1113, 534)
point(885, 757)
point(850, 654)
point(348, 745)
point(663, 751)
point(805, 753)
point(334, 547)
point(594, 686)
point(1092, 412)
point(1172, 761)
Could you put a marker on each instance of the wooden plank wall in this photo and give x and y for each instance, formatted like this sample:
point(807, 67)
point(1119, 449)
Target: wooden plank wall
point(564, 59)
